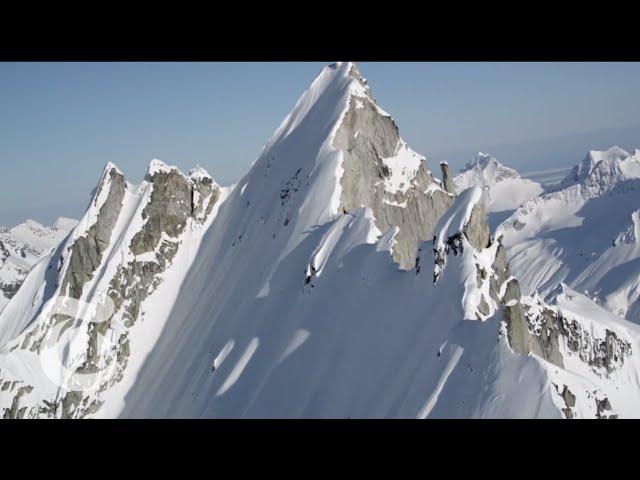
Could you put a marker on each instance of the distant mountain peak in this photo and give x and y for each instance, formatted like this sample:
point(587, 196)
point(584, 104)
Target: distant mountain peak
point(23, 246)
point(488, 163)
point(502, 186)
point(111, 166)
point(602, 171)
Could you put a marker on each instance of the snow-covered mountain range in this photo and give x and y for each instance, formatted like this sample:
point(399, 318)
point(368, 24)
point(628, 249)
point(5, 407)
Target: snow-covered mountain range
point(338, 278)
point(584, 234)
point(21, 247)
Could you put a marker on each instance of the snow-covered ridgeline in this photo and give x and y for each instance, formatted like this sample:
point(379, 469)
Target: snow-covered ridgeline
point(582, 234)
point(133, 247)
point(283, 297)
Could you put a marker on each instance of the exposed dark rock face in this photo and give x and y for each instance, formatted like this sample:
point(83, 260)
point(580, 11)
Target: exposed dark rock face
point(483, 307)
point(603, 355)
point(366, 137)
point(501, 273)
point(447, 180)
point(603, 406)
point(477, 229)
point(540, 329)
point(15, 411)
point(9, 290)
point(4, 253)
point(167, 211)
point(569, 400)
point(533, 333)
point(86, 252)
point(175, 201)
point(205, 194)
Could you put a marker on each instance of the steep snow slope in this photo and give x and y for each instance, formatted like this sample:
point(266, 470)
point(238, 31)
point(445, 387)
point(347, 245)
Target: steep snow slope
point(361, 338)
point(289, 313)
point(584, 234)
point(502, 187)
point(338, 279)
point(21, 247)
point(89, 312)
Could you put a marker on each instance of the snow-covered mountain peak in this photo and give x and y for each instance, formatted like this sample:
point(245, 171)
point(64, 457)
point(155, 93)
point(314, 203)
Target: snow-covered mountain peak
point(335, 153)
point(200, 173)
point(325, 99)
point(503, 188)
point(594, 157)
point(210, 300)
point(158, 166)
point(601, 171)
point(490, 167)
point(111, 166)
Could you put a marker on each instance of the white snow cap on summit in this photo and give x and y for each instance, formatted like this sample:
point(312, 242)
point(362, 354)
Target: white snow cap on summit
point(198, 173)
point(480, 160)
point(594, 157)
point(333, 80)
point(156, 166)
point(602, 170)
point(111, 166)
point(493, 168)
point(503, 188)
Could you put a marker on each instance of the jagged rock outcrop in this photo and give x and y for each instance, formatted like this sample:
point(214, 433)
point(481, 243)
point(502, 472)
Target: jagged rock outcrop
point(166, 212)
point(530, 332)
point(447, 180)
point(477, 228)
point(558, 334)
point(382, 173)
point(465, 221)
point(501, 273)
point(176, 205)
point(541, 329)
point(86, 252)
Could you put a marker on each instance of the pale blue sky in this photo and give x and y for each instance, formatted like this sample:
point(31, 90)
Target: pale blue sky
point(61, 122)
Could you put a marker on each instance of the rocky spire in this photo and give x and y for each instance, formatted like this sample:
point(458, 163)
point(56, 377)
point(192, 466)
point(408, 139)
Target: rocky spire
point(447, 180)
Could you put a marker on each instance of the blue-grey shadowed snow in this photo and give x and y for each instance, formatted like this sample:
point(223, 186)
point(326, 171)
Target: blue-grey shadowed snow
point(496, 218)
point(61, 123)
